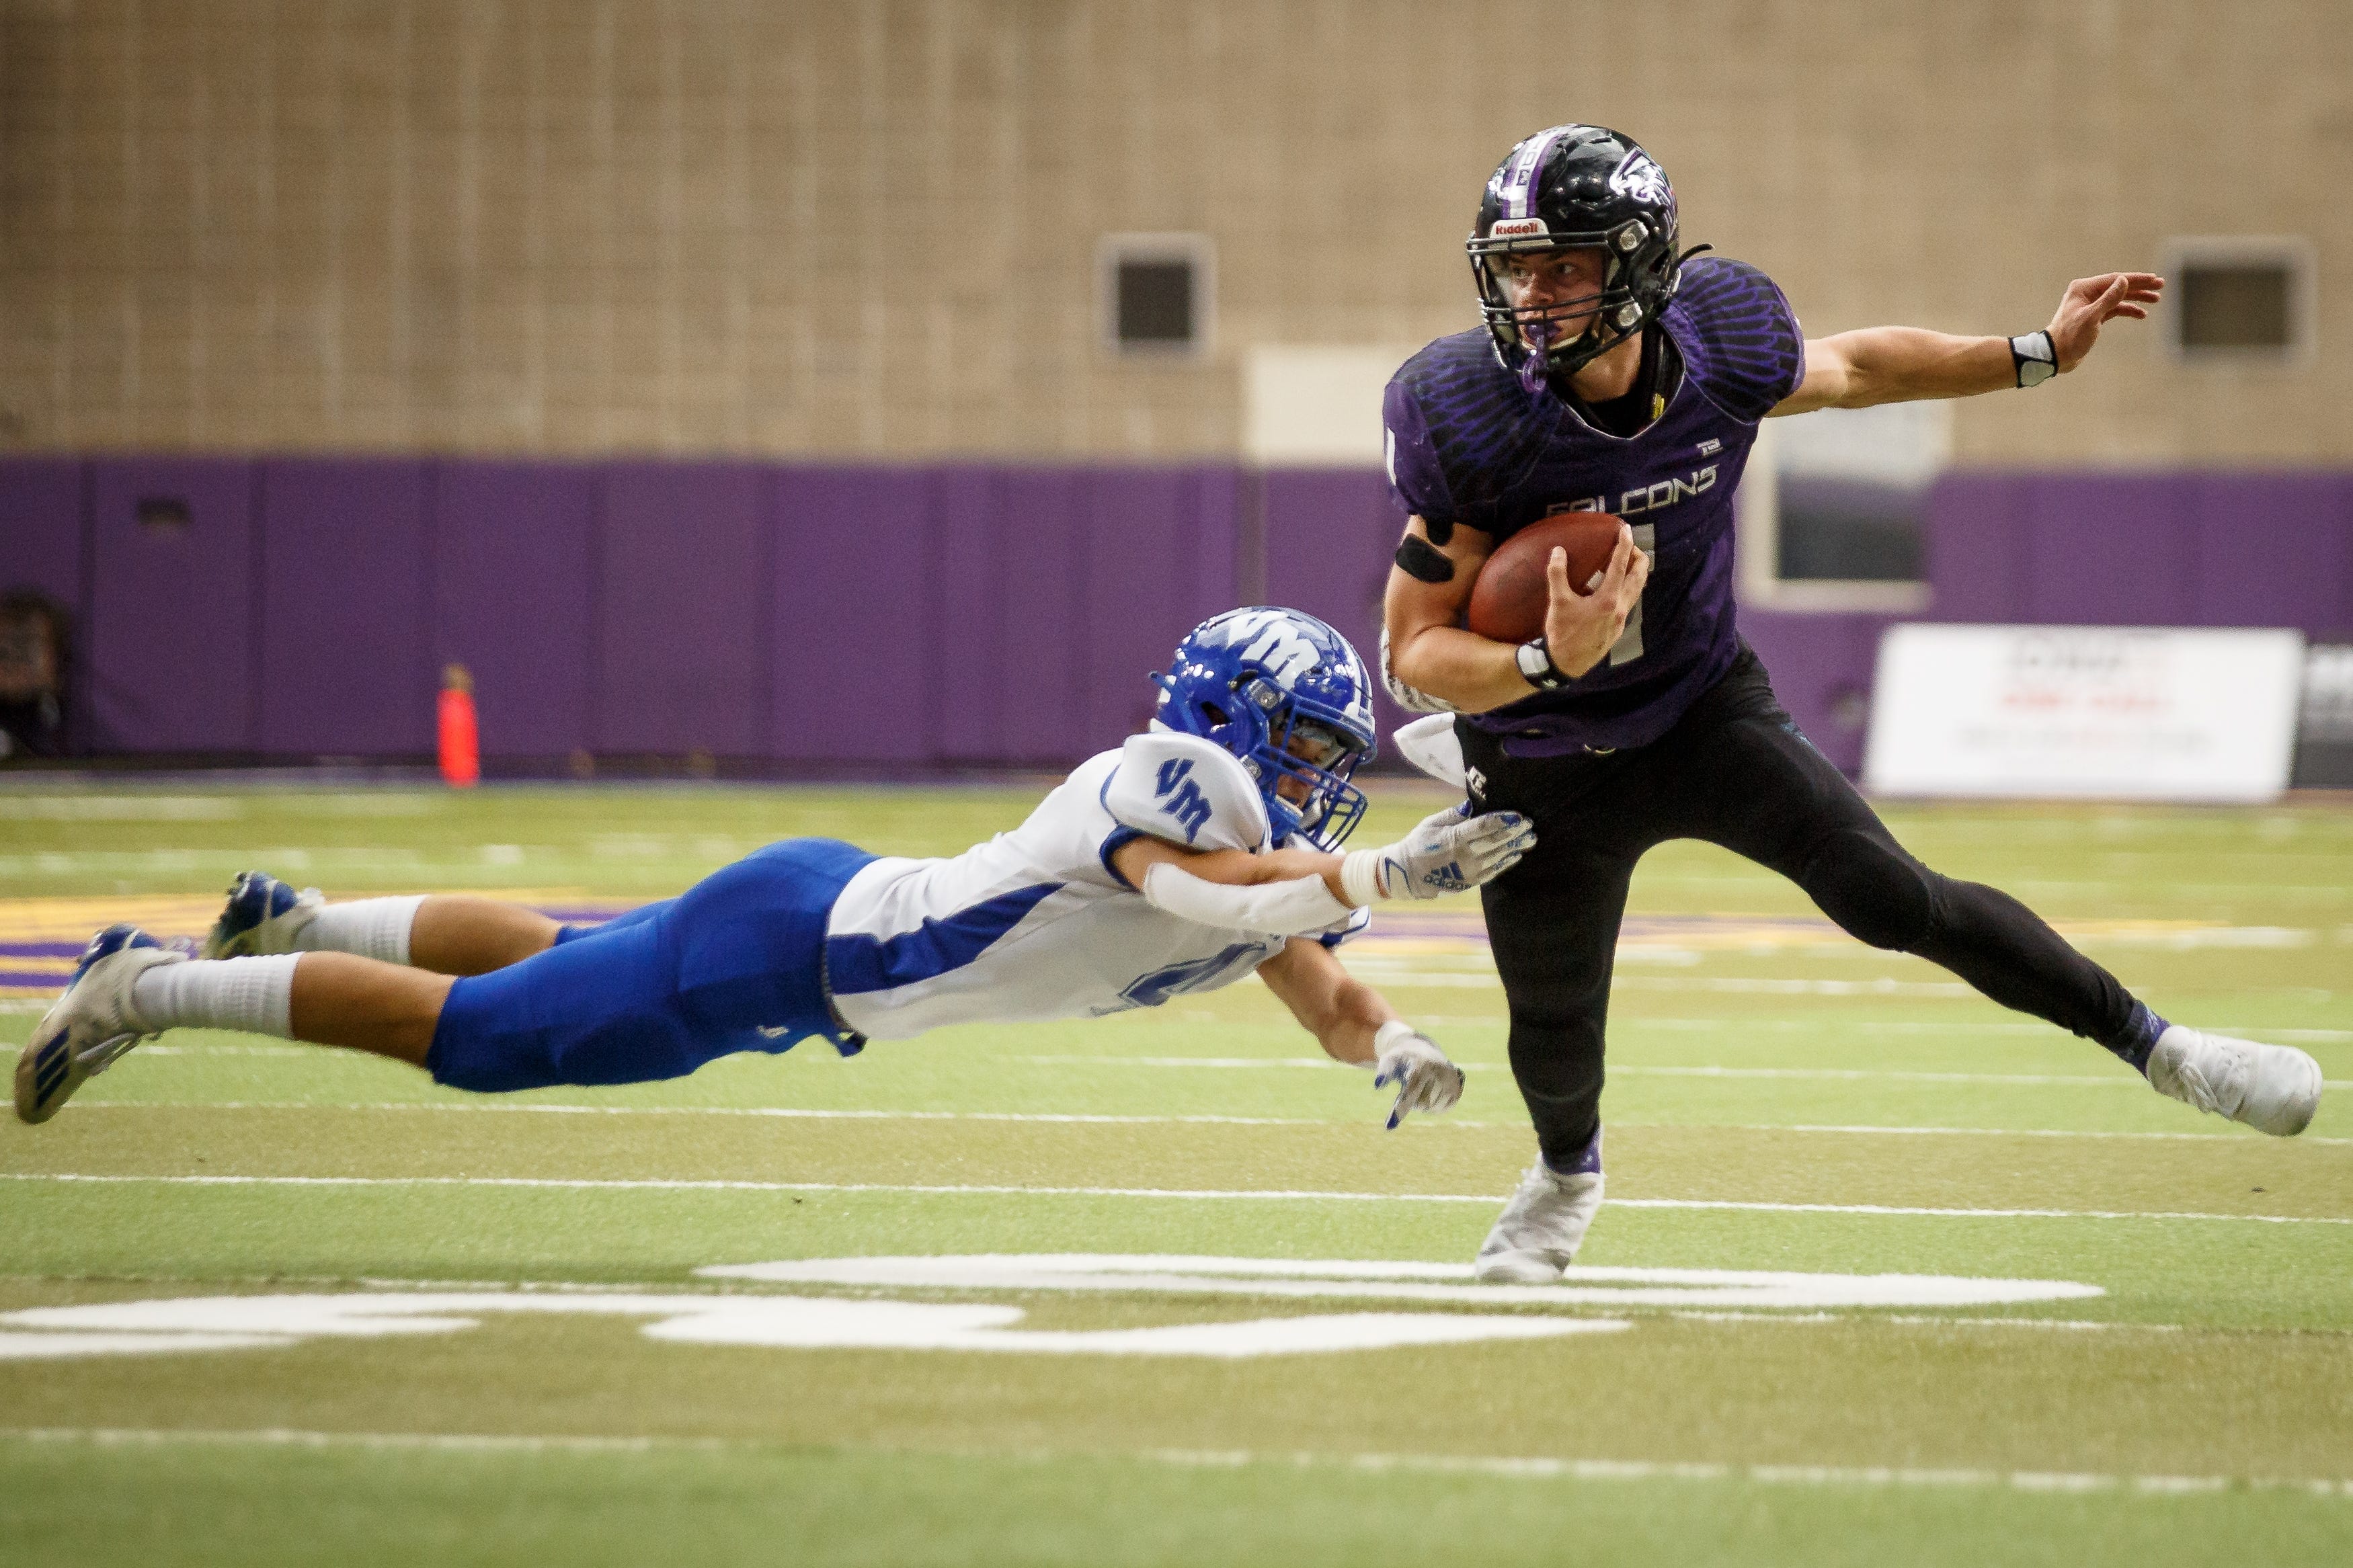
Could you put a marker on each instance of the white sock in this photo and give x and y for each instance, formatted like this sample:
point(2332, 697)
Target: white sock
point(252, 995)
point(372, 928)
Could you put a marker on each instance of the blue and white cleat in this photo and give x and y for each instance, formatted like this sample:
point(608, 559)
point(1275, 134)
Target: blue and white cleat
point(263, 916)
point(2272, 1089)
point(91, 1024)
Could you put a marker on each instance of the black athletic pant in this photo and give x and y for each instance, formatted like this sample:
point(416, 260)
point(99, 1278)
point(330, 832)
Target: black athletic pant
point(1734, 771)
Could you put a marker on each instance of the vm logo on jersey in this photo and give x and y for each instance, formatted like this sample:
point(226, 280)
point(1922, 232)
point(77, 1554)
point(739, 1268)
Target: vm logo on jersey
point(1181, 797)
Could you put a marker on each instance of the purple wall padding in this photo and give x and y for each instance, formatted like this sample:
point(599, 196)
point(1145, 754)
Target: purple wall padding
point(975, 638)
point(1822, 669)
point(988, 615)
point(1161, 563)
point(684, 609)
point(172, 638)
point(858, 633)
point(514, 564)
point(1974, 548)
point(2111, 550)
point(346, 666)
point(1041, 683)
point(1330, 535)
point(2219, 549)
point(41, 527)
point(2276, 549)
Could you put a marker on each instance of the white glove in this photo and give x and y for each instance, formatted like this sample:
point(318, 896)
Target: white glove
point(1426, 1082)
point(1450, 851)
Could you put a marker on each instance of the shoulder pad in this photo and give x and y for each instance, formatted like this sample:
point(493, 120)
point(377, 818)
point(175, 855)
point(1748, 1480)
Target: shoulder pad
point(1740, 339)
point(1187, 791)
point(1459, 427)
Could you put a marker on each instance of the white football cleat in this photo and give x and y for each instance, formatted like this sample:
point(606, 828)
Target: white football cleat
point(262, 917)
point(1539, 1231)
point(91, 1024)
point(2272, 1089)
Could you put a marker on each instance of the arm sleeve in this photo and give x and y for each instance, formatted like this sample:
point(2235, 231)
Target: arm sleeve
point(1185, 790)
point(1293, 908)
point(1347, 930)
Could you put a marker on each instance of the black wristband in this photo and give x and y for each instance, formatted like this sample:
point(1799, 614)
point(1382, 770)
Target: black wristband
point(2034, 358)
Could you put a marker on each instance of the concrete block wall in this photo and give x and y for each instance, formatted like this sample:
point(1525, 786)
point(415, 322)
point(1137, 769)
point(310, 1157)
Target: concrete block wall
point(866, 232)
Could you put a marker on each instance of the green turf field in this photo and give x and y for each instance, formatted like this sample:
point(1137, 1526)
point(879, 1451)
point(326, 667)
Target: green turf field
point(2122, 1333)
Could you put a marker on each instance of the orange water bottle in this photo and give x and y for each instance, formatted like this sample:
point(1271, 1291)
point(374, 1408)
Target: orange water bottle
point(461, 752)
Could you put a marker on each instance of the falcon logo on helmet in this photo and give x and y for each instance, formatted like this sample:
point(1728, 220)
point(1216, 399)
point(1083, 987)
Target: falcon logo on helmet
point(1643, 180)
point(1287, 696)
point(1576, 187)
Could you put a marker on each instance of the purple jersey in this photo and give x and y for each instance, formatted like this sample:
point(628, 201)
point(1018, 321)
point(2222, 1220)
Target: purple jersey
point(1468, 446)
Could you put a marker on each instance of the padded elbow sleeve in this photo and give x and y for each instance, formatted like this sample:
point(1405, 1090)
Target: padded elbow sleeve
point(1291, 908)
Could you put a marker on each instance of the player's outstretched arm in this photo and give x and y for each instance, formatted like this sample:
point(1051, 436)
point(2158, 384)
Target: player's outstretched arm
point(1354, 1024)
point(1292, 891)
point(1902, 365)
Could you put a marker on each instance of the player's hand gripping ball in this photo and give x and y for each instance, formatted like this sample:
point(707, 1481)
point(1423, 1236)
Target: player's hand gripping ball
point(1509, 596)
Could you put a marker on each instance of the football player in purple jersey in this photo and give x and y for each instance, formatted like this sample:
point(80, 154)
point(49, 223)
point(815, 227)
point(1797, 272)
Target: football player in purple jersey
point(1617, 373)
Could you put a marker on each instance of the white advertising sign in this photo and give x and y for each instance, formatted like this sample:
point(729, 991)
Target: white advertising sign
point(2093, 712)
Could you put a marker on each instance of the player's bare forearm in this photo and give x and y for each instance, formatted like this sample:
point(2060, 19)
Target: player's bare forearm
point(1342, 1012)
point(1902, 364)
point(1898, 365)
point(1465, 670)
point(1429, 650)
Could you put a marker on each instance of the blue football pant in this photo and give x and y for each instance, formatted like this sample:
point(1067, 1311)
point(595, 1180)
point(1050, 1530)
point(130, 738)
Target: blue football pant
point(735, 963)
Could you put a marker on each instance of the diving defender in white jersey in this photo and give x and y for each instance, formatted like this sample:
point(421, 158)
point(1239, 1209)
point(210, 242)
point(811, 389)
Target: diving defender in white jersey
point(1194, 855)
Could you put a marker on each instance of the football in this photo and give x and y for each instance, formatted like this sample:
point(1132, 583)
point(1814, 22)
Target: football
point(1508, 599)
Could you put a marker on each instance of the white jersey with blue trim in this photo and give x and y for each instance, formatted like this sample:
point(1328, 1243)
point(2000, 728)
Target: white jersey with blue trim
point(1036, 924)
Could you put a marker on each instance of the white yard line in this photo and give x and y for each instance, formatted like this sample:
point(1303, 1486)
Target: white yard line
point(1521, 1468)
point(1544, 1468)
point(585, 1183)
point(788, 1112)
point(2119, 1079)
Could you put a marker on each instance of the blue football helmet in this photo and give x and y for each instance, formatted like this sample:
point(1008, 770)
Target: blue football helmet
point(1288, 695)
